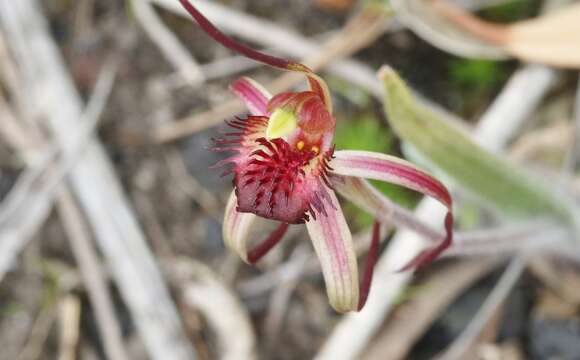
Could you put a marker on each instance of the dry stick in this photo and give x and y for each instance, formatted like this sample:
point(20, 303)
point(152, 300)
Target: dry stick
point(93, 277)
point(361, 30)
point(148, 214)
point(529, 236)
point(167, 42)
point(203, 290)
point(414, 317)
point(83, 21)
point(517, 101)
point(21, 140)
point(29, 202)
point(70, 316)
point(96, 104)
point(210, 203)
point(562, 282)
point(461, 345)
point(524, 91)
point(573, 156)
point(557, 137)
point(18, 88)
point(217, 69)
point(229, 66)
point(220, 68)
point(40, 331)
point(281, 296)
point(12, 131)
point(131, 262)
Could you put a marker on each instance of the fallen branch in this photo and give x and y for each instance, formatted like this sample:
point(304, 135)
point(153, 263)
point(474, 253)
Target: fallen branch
point(413, 318)
point(458, 349)
point(167, 42)
point(202, 290)
point(30, 200)
point(573, 157)
point(94, 182)
point(69, 324)
point(93, 277)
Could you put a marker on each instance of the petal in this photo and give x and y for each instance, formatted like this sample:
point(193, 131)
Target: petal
point(254, 96)
point(394, 170)
point(365, 286)
point(317, 84)
point(236, 228)
point(301, 116)
point(371, 165)
point(367, 197)
point(332, 242)
point(364, 195)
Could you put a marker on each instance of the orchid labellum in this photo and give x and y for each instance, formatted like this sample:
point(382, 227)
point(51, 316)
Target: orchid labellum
point(285, 168)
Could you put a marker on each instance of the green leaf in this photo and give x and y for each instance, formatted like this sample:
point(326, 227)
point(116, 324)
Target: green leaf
point(364, 132)
point(476, 75)
point(492, 179)
point(511, 11)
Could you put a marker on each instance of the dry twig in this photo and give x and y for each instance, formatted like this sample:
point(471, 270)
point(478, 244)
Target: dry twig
point(29, 202)
point(93, 277)
point(510, 104)
point(561, 280)
point(280, 299)
point(131, 262)
point(70, 318)
point(210, 204)
point(167, 42)
point(40, 329)
point(461, 345)
point(205, 292)
point(573, 156)
point(413, 318)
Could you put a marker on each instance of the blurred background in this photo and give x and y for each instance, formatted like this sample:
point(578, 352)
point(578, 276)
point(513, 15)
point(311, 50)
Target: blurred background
point(110, 218)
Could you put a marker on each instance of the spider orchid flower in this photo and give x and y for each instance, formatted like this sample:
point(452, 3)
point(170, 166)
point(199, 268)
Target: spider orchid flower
point(285, 168)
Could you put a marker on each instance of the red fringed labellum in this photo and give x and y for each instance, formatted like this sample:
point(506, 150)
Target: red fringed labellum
point(273, 179)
